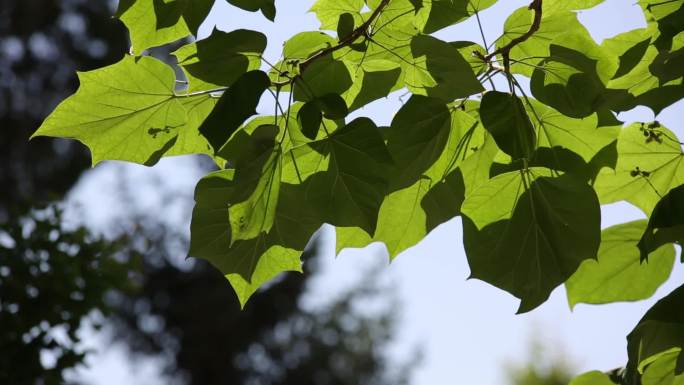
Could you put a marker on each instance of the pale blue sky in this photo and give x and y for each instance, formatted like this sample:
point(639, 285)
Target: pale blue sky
point(468, 329)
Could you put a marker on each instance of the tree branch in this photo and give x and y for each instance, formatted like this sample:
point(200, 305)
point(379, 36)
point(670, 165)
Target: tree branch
point(362, 30)
point(505, 51)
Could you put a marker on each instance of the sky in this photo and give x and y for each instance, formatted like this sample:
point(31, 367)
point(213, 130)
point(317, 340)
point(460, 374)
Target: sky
point(468, 330)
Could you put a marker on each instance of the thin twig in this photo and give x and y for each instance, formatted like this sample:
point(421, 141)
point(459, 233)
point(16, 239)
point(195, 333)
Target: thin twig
point(362, 30)
point(484, 39)
point(505, 51)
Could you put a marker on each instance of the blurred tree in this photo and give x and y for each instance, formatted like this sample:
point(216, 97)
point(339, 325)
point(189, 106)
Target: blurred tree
point(194, 318)
point(50, 279)
point(543, 367)
point(43, 44)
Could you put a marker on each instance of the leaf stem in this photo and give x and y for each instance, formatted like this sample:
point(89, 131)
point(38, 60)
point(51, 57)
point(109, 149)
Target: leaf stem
point(484, 39)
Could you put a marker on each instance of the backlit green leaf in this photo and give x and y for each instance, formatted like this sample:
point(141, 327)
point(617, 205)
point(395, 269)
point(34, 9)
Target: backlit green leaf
point(663, 371)
point(348, 174)
point(526, 55)
point(504, 116)
point(659, 332)
point(648, 166)
point(304, 44)
point(221, 59)
point(322, 77)
point(666, 223)
point(557, 131)
point(427, 189)
point(255, 214)
point(267, 7)
point(310, 118)
point(328, 12)
point(153, 23)
point(618, 274)
point(592, 378)
point(126, 111)
point(247, 264)
point(437, 69)
point(234, 107)
point(527, 233)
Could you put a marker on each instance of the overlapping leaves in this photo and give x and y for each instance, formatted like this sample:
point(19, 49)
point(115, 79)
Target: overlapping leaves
point(526, 171)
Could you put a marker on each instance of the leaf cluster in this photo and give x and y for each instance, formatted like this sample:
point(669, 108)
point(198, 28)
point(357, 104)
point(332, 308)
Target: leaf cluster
point(526, 169)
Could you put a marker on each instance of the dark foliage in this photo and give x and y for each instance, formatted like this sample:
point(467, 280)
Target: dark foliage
point(43, 44)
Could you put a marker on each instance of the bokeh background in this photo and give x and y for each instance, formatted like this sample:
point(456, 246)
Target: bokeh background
point(95, 287)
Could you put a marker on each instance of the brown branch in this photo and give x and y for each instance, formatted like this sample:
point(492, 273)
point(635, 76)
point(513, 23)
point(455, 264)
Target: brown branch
point(505, 51)
point(361, 31)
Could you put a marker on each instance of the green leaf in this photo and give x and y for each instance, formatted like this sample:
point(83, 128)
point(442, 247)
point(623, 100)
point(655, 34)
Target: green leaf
point(126, 111)
point(408, 215)
point(526, 55)
point(373, 80)
point(618, 274)
point(662, 371)
point(437, 69)
point(235, 106)
point(419, 132)
point(630, 47)
point(351, 237)
point(402, 221)
point(323, 77)
point(572, 79)
point(660, 98)
point(152, 23)
point(570, 5)
point(304, 44)
point(668, 16)
point(397, 13)
point(348, 174)
point(332, 106)
point(430, 66)
point(256, 213)
point(434, 15)
point(504, 116)
point(468, 50)
point(659, 332)
point(667, 66)
point(248, 264)
point(318, 113)
point(666, 223)
point(476, 168)
point(527, 233)
point(655, 80)
point(428, 144)
point(581, 136)
point(310, 118)
point(190, 140)
point(267, 7)
point(345, 26)
point(221, 59)
point(328, 12)
point(592, 378)
point(272, 263)
point(648, 166)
